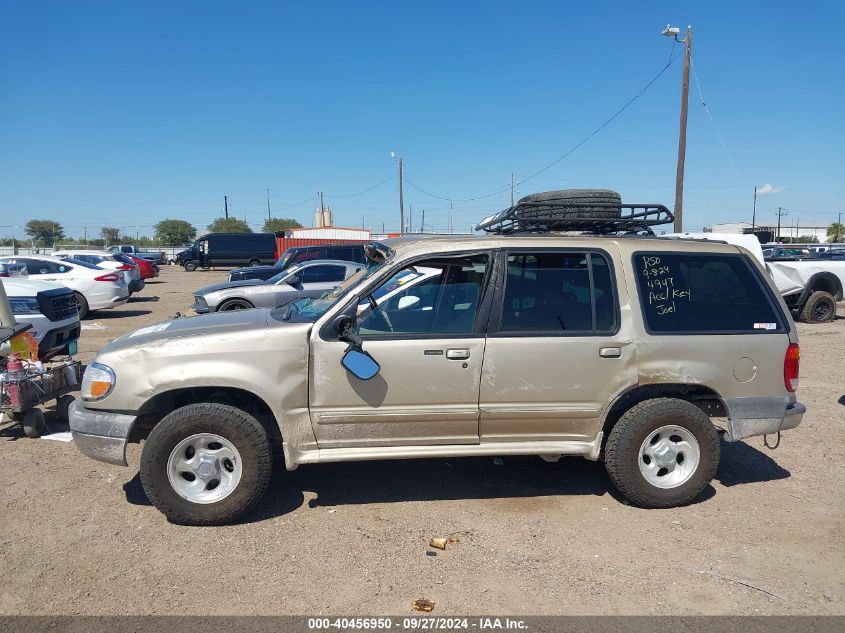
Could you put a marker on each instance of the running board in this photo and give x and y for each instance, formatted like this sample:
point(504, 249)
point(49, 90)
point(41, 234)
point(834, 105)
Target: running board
point(546, 449)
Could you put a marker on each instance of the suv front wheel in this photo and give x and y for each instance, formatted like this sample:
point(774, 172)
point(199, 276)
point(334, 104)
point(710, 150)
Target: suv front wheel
point(206, 464)
point(662, 453)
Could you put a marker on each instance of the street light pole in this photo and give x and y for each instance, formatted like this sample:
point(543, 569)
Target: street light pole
point(682, 136)
point(401, 194)
point(754, 211)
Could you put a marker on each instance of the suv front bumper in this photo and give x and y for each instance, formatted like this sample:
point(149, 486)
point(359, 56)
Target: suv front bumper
point(101, 435)
point(749, 417)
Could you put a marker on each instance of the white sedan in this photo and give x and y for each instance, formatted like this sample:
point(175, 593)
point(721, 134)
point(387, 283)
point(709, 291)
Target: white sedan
point(108, 261)
point(95, 288)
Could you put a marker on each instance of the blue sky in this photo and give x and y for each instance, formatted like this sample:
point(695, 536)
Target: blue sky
point(122, 114)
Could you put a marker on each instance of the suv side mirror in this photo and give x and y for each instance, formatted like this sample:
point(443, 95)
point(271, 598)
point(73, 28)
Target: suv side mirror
point(360, 364)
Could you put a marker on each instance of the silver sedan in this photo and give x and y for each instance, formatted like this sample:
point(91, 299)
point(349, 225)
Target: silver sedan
point(309, 279)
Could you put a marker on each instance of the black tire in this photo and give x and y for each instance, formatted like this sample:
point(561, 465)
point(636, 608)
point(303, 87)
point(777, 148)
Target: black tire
point(235, 304)
point(622, 451)
point(33, 423)
point(63, 407)
point(82, 302)
point(190, 266)
point(583, 198)
point(254, 263)
point(819, 308)
point(231, 423)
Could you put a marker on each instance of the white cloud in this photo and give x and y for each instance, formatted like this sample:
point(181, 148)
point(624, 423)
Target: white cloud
point(767, 188)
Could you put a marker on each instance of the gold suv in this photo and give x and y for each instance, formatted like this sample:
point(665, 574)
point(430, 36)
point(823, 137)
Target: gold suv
point(636, 350)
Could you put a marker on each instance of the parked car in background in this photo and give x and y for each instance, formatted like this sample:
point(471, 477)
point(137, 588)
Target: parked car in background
point(156, 257)
point(147, 267)
point(299, 254)
point(785, 252)
point(108, 261)
point(231, 249)
point(93, 287)
point(831, 253)
point(52, 311)
point(304, 280)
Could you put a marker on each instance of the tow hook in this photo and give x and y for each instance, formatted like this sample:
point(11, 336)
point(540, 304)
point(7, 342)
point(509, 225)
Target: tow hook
point(769, 446)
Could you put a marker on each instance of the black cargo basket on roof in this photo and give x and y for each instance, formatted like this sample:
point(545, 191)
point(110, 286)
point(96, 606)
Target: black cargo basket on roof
point(562, 215)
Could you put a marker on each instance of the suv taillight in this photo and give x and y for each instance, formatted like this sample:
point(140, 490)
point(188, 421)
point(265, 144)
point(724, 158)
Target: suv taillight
point(109, 277)
point(125, 267)
point(790, 367)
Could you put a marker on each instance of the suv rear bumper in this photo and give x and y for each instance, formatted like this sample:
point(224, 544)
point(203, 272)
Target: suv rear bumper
point(762, 416)
point(100, 435)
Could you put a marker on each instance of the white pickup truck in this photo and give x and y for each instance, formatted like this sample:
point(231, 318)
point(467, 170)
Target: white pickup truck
point(810, 287)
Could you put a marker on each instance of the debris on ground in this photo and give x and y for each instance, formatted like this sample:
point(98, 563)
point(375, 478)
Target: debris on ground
point(438, 542)
point(97, 325)
point(430, 552)
point(423, 604)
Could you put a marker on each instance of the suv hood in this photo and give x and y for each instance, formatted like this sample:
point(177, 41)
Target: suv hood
point(215, 324)
point(230, 284)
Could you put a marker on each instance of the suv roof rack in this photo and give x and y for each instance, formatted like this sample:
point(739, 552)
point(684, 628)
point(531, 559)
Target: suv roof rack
point(566, 215)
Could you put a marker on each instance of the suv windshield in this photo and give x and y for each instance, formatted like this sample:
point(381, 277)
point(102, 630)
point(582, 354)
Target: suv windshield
point(309, 310)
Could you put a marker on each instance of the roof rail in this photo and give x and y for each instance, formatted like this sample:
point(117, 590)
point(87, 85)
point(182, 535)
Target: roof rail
point(564, 215)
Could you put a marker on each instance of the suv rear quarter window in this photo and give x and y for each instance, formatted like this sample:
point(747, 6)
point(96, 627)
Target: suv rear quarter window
point(700, 293)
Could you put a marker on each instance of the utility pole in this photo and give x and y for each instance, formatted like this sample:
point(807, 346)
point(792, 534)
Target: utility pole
point(754, 211)
point(322, 208)
point(410, 218)
point(682, 136)
point(422, 226)
point(226, 205)
point(268, 203)
point(401, 199)
point(781, 213)
point(838, 226)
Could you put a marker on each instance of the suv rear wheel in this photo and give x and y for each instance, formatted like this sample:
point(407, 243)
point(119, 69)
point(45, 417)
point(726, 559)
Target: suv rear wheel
point(206, 464)
point(662, 453)
point(190, 266)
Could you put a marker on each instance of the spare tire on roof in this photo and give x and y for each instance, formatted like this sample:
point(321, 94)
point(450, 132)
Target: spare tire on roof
point(569, 203)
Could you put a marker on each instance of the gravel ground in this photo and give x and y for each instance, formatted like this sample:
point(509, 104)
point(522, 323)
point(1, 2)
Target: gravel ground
point(80, 537)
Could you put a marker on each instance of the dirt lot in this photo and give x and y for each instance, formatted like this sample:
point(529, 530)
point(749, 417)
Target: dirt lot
point(79, 537)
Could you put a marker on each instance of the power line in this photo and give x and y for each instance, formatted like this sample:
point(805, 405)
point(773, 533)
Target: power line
point(369, 189)
point(715, 128)
point(571, 151)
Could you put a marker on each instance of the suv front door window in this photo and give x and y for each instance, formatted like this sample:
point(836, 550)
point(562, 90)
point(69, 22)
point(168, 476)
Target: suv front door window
point(430, 350)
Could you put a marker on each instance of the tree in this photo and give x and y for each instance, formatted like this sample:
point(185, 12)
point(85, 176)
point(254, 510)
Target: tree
point(807, 239)
point(175, 232)
point(277, 225)
point(45, 231)
point(229, 225)
point(835, 231)
point(110, 235)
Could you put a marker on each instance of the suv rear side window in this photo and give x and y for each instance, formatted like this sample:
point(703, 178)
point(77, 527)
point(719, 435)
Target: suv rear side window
point(703, 292)
point(558, 293)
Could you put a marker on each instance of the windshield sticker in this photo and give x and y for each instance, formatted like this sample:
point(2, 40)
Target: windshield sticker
point(765, 326)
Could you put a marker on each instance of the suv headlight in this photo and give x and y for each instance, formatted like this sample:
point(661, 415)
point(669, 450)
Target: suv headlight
point(24, 305)
point(200, 300)
point(97, 382)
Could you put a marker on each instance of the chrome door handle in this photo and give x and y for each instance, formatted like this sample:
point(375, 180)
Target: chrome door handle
point(610, 352)
point(457, 354)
